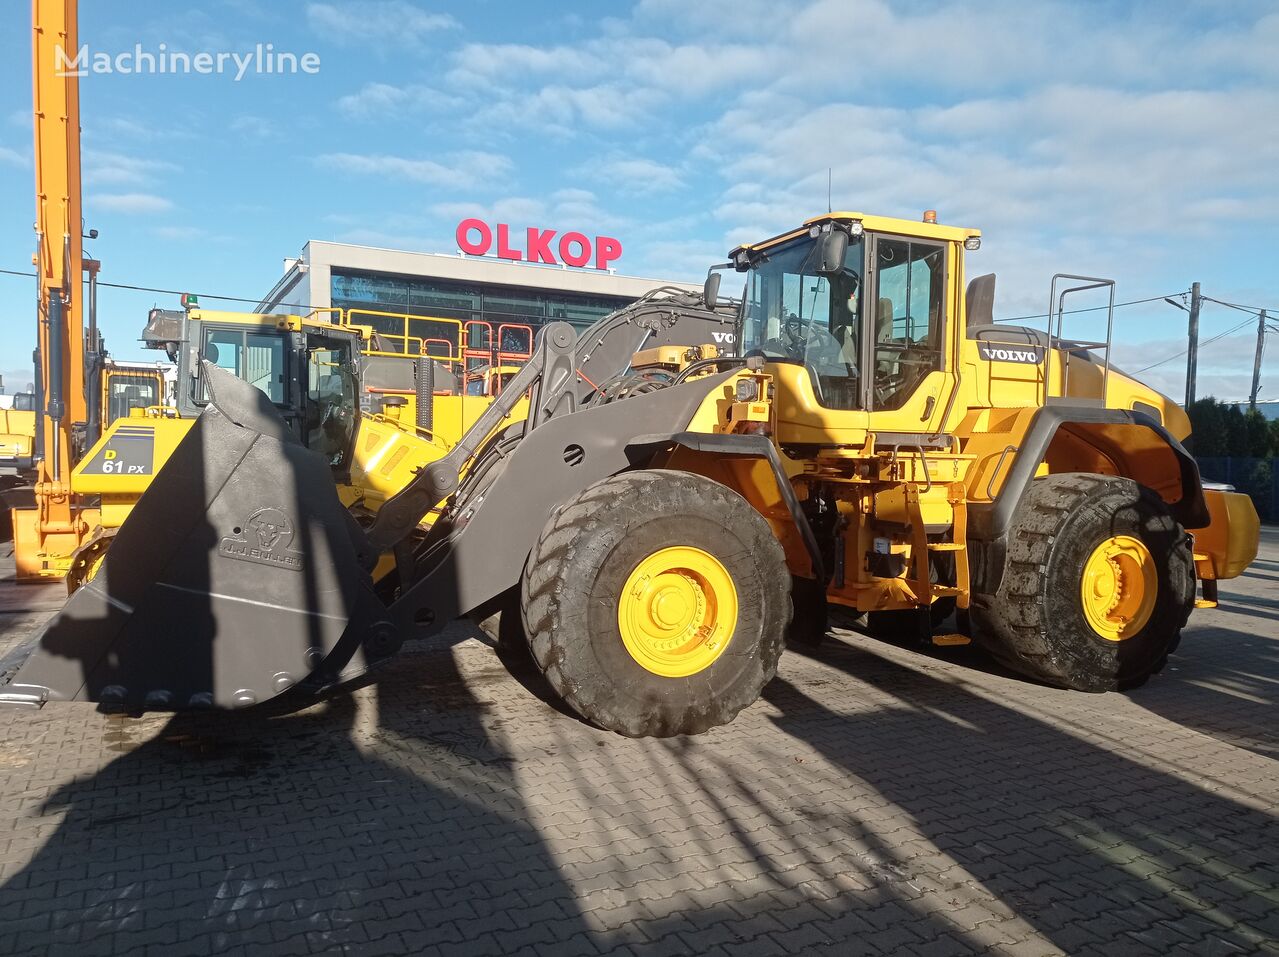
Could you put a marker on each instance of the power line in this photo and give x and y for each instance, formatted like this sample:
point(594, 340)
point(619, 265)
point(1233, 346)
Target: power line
point(1068, 312)
point(1206, 342)
point(1254, 310)
point(174, 292)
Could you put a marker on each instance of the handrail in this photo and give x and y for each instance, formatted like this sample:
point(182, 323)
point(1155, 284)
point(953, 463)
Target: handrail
point(1058, 301)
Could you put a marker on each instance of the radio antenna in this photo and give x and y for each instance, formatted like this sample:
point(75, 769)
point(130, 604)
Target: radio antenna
point(828, 179)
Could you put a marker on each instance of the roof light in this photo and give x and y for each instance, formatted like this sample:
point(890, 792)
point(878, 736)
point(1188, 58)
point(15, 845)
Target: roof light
point(930, 216)
point(190, 300)
point(972, 243)
point(855, 228)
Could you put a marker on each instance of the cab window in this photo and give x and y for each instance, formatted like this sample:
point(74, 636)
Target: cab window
point(907, 318)
point(256, 357)
point(126, 392)
point(793, 313)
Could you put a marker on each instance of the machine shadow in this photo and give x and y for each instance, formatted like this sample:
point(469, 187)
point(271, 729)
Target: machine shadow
point(1064, 838)
point(1220, 681)
point(319, 842)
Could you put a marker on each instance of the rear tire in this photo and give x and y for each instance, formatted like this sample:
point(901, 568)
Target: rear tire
point(577, 573)
point(1037, 622)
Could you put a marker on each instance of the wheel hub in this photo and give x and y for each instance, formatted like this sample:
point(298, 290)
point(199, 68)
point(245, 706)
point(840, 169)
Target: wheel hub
point(677, 611)
point(1119, 587)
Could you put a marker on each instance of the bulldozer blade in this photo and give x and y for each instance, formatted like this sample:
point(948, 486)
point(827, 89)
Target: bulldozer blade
point(237, 576)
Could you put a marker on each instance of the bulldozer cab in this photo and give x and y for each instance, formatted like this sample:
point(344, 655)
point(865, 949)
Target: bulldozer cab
point(126, 389)
point(862, 312)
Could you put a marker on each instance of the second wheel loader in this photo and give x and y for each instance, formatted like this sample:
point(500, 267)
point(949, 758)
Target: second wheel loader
point(665, 514)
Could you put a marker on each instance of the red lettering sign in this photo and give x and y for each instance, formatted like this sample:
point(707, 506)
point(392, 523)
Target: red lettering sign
point(539, 245)
point(464, 230)
point(583, 254)
point(607, 249)
point(475, 238)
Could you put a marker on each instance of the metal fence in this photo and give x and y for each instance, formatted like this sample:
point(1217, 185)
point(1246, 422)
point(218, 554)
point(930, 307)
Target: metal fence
point(1258, 478)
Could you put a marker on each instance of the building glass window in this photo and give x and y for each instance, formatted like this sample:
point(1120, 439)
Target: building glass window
point(365, 294)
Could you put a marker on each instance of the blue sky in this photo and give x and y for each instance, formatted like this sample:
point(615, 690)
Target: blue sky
point(1136, 141)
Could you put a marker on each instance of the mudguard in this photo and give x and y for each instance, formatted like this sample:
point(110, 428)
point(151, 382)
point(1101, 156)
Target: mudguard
point(237, 576)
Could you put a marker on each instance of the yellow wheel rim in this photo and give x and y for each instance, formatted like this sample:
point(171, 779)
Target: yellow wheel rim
point(1119, 587)
point(677, 611)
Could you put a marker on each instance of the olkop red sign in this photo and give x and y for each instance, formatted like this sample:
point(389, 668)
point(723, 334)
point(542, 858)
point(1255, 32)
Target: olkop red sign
point(476, 238)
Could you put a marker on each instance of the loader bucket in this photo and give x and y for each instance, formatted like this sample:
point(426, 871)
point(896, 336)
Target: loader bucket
point(237, 576)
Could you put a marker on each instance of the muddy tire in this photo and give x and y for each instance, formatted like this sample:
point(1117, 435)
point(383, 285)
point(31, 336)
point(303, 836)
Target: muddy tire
point(581, 580)
point(1049, 618)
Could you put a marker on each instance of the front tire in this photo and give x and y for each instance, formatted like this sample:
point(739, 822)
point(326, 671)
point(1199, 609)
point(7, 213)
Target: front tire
point(656, 603)
point(1099, 581)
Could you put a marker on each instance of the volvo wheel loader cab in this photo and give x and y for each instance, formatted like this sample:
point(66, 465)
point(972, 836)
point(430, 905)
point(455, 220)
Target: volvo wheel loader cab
point(666, 513)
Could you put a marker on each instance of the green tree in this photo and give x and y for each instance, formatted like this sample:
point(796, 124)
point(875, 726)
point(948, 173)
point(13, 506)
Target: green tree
point(1274, 436)
point(1236, 429)
point(1256, 434)
point(1207, 433)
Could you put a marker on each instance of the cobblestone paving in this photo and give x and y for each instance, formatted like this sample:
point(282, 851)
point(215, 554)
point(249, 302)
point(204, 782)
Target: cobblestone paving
point(877, 800)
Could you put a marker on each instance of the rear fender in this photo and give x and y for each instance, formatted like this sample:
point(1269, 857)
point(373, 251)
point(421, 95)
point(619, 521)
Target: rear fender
point(1105, 441)
point(1081, 439)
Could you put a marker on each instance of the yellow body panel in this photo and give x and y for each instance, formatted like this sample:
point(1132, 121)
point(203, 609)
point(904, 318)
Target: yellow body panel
point(17, 434)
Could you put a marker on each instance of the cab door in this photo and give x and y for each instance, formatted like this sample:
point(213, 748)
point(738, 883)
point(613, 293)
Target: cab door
point(330, 401)
point(905, 331)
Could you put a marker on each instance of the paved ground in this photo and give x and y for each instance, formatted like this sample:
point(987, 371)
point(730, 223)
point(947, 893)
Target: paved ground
point(876, 800)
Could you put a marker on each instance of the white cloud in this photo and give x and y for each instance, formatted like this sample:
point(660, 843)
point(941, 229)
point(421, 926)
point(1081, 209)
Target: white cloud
point(384, 21)
point(375, 100)
point(104, 168)
point(255, 127)
point(633, 175)
point(131, 203)
point(460, 170)
point(563, 209)
point(13, 157)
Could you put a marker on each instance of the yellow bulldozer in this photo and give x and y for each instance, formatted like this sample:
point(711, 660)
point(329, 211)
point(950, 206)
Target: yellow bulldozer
point(665, 514)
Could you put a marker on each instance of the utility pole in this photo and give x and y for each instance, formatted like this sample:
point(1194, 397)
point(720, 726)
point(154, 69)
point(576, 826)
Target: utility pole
point(1192, 353)
point(1256, 361)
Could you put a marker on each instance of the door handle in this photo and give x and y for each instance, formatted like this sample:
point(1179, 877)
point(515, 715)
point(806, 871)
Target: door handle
point(929, 404)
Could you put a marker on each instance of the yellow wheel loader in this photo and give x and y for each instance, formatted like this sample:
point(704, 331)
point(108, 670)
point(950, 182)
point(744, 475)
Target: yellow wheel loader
point(665, 516)
point(310, 370)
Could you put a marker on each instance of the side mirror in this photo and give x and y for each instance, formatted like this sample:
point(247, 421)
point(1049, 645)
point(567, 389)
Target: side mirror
point(710, 289)
point(831, 248)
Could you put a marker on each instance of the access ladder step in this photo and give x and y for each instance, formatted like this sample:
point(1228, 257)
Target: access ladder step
point(946, 546)
point(950, 640)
